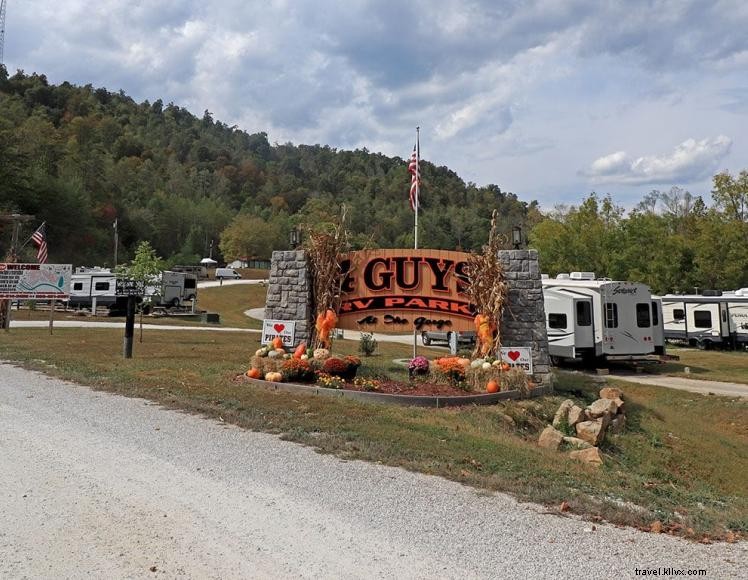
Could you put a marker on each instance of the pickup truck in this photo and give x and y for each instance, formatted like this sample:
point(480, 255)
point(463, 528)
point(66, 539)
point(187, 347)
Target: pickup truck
point(430, 336)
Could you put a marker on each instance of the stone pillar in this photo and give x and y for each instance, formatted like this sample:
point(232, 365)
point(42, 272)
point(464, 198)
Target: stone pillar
point(289, 294)
point(523, 323)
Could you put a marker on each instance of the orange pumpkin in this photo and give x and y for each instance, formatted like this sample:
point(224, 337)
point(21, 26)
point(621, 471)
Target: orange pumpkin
point(300, 350)
point(492, 386)
point(505, 366)
point(277, 343)
point(254, 373)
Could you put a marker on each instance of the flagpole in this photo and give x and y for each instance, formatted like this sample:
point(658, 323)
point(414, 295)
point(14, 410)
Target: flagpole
point(116, 240)
point(415, 225)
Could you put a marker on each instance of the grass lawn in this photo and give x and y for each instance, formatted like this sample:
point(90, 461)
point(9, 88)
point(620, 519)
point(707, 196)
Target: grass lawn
point(231, 301)
point(713, 365)
point(682, 460)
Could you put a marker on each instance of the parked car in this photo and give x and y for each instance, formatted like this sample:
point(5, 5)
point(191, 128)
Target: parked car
point(464, 337)
point(223, 273)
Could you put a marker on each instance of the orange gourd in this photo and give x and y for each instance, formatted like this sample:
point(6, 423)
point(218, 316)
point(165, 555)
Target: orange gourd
point(505, 366)
point(254, 373)
point(300, 350)
point(277, 343)
point(492, 386)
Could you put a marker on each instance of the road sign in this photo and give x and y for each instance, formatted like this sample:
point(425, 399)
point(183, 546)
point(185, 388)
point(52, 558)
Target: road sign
point(35, 281)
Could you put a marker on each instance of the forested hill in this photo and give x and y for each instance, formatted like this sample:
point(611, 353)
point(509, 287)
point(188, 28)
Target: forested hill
point(81, 157)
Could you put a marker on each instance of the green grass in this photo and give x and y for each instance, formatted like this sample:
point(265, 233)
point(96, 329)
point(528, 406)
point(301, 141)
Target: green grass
point(682, 454)
point(713, 365)
point(231, 301)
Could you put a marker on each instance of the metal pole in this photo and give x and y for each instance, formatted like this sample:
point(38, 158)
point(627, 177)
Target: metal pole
point(116, 241)
point(415, 228)
point(52, 314)
point(129, 327)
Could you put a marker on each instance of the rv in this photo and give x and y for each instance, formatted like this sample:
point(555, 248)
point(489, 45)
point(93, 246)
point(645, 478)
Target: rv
point(599, 319)
point(713, 318)
point(91, 287)
point(174, 289)
point(97, 286)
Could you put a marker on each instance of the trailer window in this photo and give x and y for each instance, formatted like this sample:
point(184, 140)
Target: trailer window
point(642, 315)
point(655, 315)
point(611, 315)
point(556, 320)
point(702, 319)
point(584, 314)
point(189, 283)
point(101, 286)
point(78, 286)
point(679, 314)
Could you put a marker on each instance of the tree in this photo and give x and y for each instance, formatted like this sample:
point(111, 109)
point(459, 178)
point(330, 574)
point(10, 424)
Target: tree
point(144, 268)
point(248, 237)
point(731, 194)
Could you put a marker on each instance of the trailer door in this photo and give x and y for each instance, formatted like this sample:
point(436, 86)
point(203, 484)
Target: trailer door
point(584, 331)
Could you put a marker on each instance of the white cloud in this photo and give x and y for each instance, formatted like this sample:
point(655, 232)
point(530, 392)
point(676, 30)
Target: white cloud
point(690, 161)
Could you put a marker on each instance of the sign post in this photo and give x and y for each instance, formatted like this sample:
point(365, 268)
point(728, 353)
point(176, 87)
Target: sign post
point(132, 289)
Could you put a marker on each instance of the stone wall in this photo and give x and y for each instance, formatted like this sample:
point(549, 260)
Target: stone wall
point(290, 292)
point(523, 323)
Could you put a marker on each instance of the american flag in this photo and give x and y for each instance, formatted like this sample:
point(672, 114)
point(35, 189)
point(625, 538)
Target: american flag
point(415, 179)
point(39, 237)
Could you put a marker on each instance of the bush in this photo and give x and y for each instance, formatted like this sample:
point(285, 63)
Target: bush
point(367, 344)
point(297, 370)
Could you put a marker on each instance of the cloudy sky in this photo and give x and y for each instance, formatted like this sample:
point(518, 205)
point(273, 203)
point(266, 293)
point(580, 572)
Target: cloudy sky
point(551, 99)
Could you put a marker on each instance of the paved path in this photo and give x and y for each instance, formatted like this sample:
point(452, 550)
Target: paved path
point(214, 283)
point(684, 384)
point(96, 485)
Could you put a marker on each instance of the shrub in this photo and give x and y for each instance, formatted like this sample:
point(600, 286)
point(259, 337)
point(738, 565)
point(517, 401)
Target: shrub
point(367, 344)
point(335, 366)
point(297, 370)
point(418, 365)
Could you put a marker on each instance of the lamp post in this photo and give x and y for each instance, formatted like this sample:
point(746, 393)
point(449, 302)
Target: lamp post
point(516, 237)
point(295, 238)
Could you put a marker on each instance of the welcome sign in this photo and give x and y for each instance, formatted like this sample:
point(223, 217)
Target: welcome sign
point(403, 290)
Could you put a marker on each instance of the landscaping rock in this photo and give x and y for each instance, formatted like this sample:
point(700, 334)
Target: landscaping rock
point(611, 393)
point(576, 415)
point(551, 438)
point(577, 442)
point(618, 424)
point(591, 456)
point(592, 432)
point(602, 407)
point(563, 412)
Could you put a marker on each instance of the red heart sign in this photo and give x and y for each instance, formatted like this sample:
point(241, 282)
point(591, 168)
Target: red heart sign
point(513, 354)
point(279, 327)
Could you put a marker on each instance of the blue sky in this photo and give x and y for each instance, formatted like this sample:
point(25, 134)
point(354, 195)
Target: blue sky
point(550, 99)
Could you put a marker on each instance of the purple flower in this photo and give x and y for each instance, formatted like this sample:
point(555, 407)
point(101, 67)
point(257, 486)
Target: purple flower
point(419, 364)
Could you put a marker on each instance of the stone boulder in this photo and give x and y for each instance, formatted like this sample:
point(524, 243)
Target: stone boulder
point(551, 438)
point(563, 412)
point(591, 456)
point(577, 442)
point(592, 432)
point(611, 393)
point(576, 415)
point(602, 407)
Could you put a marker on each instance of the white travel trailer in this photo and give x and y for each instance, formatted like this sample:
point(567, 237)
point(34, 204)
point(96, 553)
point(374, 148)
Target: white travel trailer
point(705, 320)
point(599, 319)
point(174, 289)
point(89, 286)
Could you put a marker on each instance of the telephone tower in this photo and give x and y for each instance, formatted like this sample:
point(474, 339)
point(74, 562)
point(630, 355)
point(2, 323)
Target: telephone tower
point(2, 29)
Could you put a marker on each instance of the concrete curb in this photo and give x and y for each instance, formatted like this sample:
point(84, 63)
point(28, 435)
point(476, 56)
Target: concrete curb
point(401, 400)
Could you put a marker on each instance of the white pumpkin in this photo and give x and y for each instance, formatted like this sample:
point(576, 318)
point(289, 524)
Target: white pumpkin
point(485, 366)
point(304, 356)
point(477, 363)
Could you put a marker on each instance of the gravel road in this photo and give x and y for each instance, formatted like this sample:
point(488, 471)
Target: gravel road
point(683, 384)
point(101, 486)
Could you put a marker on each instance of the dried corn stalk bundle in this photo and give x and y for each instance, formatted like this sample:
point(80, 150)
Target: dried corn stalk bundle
point(488, 291)
point(322, 248)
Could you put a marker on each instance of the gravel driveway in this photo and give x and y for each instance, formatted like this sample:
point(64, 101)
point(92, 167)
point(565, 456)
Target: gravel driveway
point(101, 486)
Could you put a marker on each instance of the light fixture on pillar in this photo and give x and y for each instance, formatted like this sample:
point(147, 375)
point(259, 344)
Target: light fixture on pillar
point(295, 238)
point(516, 237)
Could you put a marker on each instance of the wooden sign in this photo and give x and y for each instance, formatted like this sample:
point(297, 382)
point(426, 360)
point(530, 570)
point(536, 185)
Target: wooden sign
point(35, 281)
point(405, 290)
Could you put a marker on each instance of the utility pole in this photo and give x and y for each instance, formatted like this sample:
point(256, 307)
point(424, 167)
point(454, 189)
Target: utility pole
point(12, 256)
point(3, 4)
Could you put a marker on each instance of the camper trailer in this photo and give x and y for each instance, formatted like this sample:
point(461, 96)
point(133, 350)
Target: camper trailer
point(94, 287)
point(599, 319)
point(174, 289)
point(707, 320)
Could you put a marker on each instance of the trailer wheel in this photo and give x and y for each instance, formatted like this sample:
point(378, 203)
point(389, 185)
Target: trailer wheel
point(425, 339)
point(704, 344)
point(174, 302)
